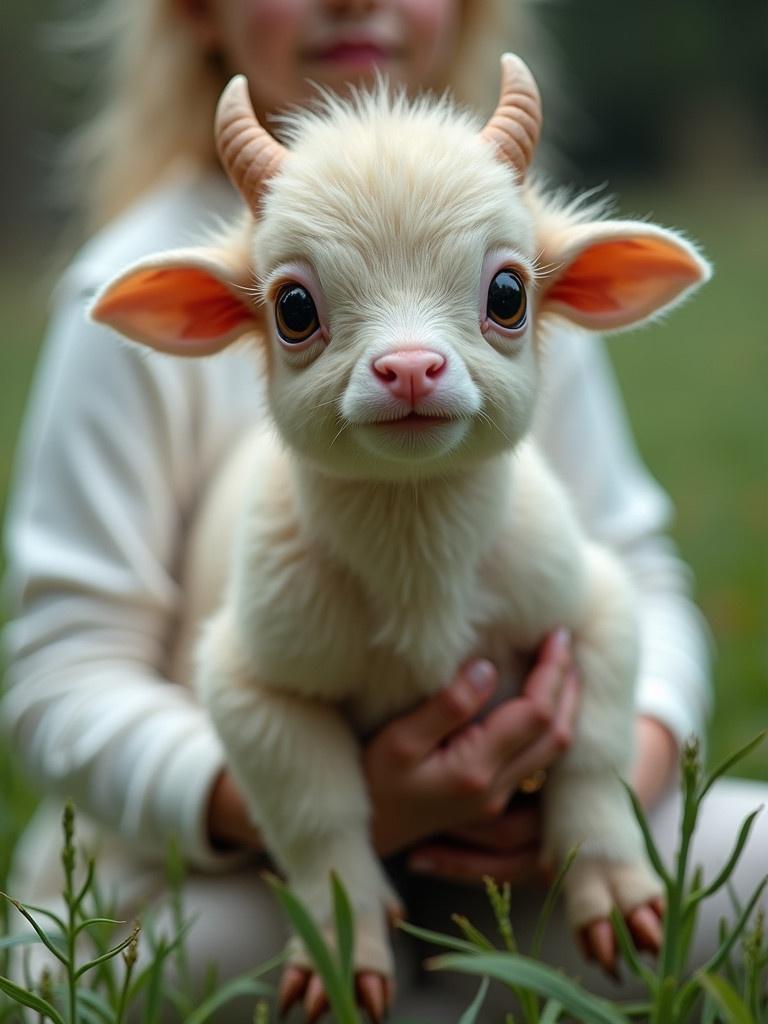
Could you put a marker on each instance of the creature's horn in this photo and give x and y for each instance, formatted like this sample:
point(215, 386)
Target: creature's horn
point(514, 128)
point(249, 153)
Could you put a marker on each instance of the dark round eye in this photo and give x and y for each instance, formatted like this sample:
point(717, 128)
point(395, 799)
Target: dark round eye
point(296, 314)
point(507, 303)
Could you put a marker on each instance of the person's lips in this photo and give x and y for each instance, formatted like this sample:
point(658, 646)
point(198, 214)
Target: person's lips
point(354, 52)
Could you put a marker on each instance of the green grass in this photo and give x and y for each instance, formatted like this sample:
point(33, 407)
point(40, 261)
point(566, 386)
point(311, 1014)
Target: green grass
point(695, 387)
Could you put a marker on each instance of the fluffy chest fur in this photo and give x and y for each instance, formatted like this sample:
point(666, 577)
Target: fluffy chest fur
point(373, 594)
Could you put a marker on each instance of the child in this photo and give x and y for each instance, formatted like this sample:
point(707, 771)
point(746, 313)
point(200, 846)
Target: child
point(119, 448)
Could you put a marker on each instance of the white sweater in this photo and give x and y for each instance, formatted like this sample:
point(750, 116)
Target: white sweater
point(118, 446)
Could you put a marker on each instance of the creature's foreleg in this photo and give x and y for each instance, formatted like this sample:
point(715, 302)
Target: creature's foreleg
point(297, 763)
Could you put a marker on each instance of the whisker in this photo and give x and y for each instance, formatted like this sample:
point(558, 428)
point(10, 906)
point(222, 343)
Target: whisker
point(490, 420)
point(341, 430)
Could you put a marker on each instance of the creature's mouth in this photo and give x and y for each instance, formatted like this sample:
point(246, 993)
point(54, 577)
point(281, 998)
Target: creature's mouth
point(415, 421)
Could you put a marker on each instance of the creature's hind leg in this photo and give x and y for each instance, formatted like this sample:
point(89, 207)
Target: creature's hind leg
point(585, 803)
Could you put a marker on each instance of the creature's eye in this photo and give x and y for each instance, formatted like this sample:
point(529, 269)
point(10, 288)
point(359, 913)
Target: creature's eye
point(507, 302)
point(296, 314)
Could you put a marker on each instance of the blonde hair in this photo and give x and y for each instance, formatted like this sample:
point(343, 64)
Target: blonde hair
point(161, 90)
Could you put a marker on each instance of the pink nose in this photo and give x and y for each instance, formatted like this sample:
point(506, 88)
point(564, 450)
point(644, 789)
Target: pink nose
point(410, 374)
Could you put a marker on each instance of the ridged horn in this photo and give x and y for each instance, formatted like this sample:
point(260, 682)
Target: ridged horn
point(249, 153)
point(514, 128)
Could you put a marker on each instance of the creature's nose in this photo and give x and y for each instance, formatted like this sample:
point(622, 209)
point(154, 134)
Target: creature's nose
point(410, 374)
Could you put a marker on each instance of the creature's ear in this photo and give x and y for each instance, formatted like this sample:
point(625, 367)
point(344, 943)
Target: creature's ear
point(189, 302)
point(615, 274)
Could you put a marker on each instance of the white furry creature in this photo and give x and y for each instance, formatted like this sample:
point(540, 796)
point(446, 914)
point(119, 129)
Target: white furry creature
point(398, 275)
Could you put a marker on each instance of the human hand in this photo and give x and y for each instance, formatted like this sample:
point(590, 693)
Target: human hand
point(435, 769)
point(655, 760)
point(508, 849)
point(229, 826)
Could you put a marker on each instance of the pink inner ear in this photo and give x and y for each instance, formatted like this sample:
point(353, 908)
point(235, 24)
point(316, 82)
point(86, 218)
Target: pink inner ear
point(172, 308)
point(625, 279)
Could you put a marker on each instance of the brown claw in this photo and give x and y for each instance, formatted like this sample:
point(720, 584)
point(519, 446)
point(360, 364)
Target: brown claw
point(315, 1001)
point(293, 984)
point(373, 994)
point(645, 927)
point(600, 944)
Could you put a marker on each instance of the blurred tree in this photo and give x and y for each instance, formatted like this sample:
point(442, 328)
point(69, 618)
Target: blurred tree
point(648, 75)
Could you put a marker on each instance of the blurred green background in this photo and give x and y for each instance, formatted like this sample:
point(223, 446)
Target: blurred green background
point(665, 101)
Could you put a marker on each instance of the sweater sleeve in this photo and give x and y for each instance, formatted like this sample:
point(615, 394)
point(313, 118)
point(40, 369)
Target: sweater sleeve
point(93, 536)
point(583, 429)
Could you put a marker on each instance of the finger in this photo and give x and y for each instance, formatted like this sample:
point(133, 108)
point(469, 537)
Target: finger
point(554, 661)
point(568, 706)
point(644, 924)
point(293, 984)
point(411, 737)
point(544, 750)
point(372, 994)
point(517, 827)
point(600, 944)
point(315, 1001)
point(459, 865)
point(512, 727)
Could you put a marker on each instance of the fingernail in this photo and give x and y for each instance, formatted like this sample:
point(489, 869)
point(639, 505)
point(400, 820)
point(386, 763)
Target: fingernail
point(562, 641)
point(482, 675)
point(421, 865)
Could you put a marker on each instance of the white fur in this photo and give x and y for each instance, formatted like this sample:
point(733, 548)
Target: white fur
point(368, 565)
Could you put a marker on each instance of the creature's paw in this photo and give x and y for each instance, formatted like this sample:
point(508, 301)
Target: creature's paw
point(373, 963)
point(374, 993)
point(593, 886)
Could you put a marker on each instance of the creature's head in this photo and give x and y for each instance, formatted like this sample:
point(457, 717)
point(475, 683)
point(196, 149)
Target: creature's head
point(398, 272)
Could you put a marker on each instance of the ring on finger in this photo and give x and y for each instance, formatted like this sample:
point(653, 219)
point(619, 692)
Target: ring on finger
point(533, 783)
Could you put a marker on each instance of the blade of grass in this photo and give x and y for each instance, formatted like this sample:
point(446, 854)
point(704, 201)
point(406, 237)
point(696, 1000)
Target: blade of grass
point(97, 1005)
point(553, 894)
point(152, 976)
point(534, 977)
point(26, 998)
point(345, 929)
point(729, 762)
point(85, 888)
point(37, 910)
point(161, 950)
point(650, 845)
point(18, 940)
point(715, 961)
point(104, 957)
point(629, 952)
point(730, 864)
point(726, 998)
point(339, 995)
point(437, 938)
point(636, 1009)
point(551, 1012)
point(470, 1015)
point(89, 922)
point(243, 986)
point(473, 935)
point(46, 941)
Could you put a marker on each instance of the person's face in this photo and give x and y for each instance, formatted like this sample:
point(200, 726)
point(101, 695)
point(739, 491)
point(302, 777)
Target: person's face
point(284, 45)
